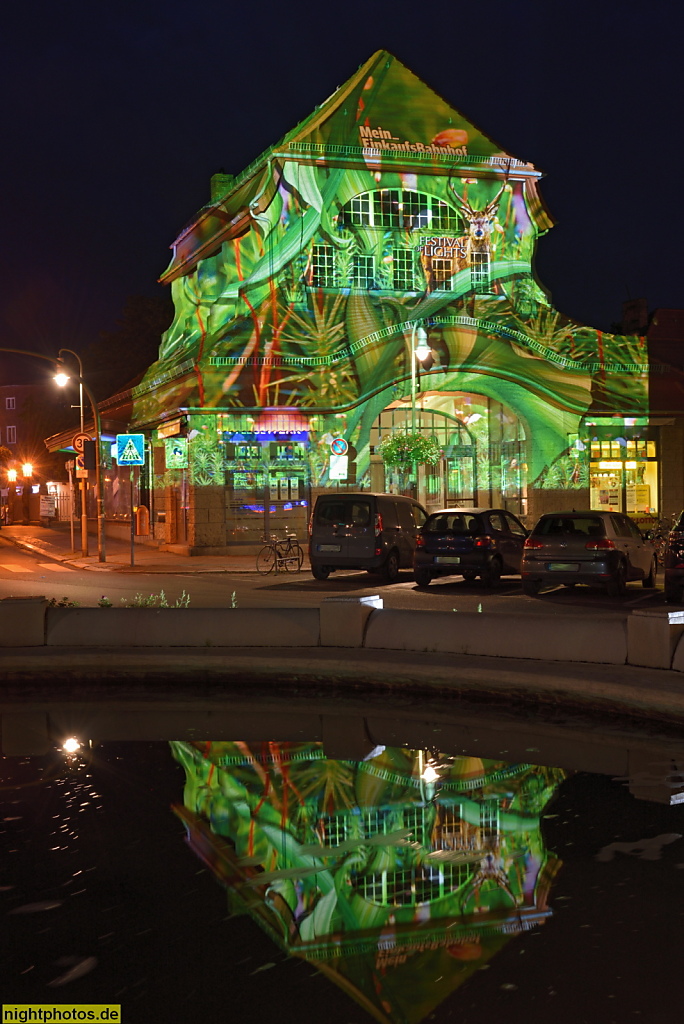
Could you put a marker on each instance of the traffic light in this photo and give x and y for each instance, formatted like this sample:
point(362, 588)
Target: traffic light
point(89, 461)
point(351, 468)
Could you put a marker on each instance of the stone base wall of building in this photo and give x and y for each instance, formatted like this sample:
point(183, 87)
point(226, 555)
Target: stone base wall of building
point(672, 468)
point(206, 517)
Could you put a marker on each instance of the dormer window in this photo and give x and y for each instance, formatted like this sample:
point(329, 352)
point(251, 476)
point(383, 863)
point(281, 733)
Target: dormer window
point(400, 208)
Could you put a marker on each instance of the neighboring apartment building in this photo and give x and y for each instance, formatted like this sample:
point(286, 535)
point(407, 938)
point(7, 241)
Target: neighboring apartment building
point(23, 421)
point(371, 274)
point(8, 417)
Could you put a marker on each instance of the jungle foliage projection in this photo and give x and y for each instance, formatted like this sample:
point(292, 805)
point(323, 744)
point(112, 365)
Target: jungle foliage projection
point(385, 211)
point(398, 882)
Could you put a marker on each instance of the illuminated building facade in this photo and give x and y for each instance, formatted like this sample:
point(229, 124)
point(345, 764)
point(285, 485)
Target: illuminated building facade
point(372, 273)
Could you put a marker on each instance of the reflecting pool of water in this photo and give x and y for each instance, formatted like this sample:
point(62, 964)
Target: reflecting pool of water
point(246, 882)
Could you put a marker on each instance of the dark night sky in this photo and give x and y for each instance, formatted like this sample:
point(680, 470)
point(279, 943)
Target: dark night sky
point(115, 115)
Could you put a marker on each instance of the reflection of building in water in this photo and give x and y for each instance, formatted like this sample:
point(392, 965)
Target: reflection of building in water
point(399, 882)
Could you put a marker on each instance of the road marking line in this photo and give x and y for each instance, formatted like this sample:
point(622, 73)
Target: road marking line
point(16, 568)
point(55, 566)
point(640, 600)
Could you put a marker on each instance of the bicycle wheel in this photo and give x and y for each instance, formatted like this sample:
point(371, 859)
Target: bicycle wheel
point(266, 560)
point(294, 558)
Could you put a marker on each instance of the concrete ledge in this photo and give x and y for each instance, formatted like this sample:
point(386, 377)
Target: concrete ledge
point(22, 621)
point(343, 619)
point(647, 638)
point(653, 636)
point(678, 656)
point(182, 627)
point(543, 638)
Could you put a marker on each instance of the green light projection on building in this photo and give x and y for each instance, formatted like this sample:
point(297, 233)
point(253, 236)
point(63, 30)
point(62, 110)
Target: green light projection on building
point(399, 876)
point(299, 288)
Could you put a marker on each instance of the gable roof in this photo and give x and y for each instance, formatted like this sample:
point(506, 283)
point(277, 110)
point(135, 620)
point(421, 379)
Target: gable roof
point(384, 109)
point(384, 94)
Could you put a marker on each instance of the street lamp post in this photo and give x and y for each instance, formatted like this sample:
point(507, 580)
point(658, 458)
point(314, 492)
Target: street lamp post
point(84, 498)
point(61, 378)
point(26, 491)
point(11, 494)
point(419, 353)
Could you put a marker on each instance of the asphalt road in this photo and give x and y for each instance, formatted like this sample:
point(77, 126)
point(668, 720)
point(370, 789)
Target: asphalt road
point(23, 573)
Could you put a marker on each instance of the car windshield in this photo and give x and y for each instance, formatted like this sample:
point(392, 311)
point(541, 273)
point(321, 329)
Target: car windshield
point(453, 522)
point(571, 526)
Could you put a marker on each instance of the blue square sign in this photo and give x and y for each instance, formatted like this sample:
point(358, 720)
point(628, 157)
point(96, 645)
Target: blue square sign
point(130, 449)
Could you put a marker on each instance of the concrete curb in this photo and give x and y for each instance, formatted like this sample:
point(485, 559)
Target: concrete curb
point(650, 639)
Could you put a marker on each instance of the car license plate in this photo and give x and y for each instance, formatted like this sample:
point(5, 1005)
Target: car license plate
point(563, 567)
point(329, 547)
point(447, 560)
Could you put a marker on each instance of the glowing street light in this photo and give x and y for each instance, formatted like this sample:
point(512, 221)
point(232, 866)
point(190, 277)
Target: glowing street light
point(12, 476)
point(62, 378)
point(419, 353)
point(27, 473)
point(429, 774)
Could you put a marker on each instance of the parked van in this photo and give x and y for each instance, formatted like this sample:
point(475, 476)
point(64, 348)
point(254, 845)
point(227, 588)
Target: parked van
point(376, 532)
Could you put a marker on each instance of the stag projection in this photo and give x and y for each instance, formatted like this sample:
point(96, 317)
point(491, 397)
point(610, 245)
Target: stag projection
point(481, 223)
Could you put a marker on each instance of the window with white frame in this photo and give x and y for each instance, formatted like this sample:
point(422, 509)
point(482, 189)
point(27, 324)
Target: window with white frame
point(11, 435)
point(363, 271)
point(322, 270)
point(442, 270)
point(489, 819)
point(359, 209)
point(479, 272)
point(403, 270)
point(9, 403)
point(400, 208)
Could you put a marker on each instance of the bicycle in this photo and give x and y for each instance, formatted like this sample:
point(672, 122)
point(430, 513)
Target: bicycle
point(280, 554)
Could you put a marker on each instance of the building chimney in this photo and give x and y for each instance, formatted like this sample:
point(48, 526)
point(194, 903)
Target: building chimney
point(221, 183)
point(634, 316)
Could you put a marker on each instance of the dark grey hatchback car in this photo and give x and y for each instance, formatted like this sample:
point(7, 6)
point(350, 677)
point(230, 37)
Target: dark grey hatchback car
point(469, 542)
point(598, 548)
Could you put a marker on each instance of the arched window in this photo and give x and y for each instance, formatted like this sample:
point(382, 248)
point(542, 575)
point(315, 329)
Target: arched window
point(399, 208)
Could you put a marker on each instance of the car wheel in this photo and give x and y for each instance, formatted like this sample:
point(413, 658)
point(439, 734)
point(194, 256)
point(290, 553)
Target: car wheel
point(617, 586)
point(422, 577)
point(469, 575)
point(531, 587)
point(650, 580)
point(320, 572)
point(491, 576)
point(390, 569)
point(674, 592)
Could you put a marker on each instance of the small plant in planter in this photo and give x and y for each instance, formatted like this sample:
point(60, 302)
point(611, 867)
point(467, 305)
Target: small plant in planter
point(409, 449)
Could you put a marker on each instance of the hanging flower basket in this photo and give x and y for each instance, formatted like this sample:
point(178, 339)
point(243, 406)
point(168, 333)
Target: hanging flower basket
point(409, 449)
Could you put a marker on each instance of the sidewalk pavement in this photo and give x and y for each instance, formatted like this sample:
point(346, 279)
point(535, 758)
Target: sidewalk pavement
point(54, 542)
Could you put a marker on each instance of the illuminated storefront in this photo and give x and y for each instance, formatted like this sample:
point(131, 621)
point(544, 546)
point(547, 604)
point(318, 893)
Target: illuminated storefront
point(623, 467)
point(372, 273)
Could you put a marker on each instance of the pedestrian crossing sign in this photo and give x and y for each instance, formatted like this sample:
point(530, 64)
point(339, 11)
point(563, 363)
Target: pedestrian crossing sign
point(130, 449)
